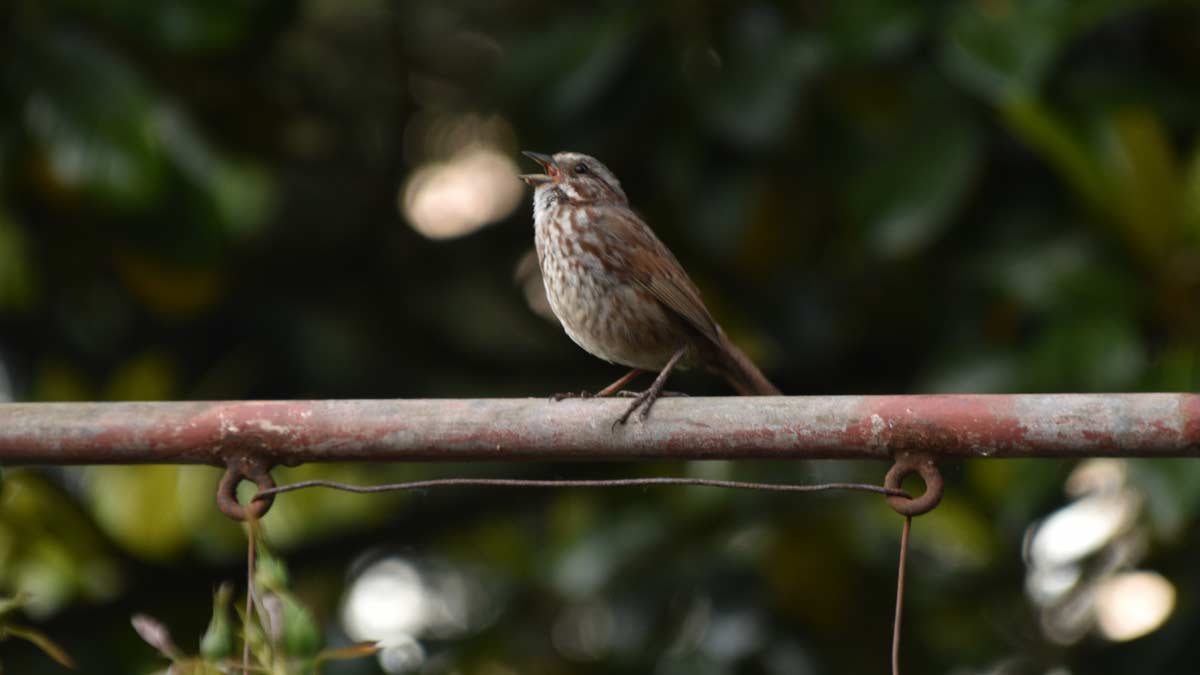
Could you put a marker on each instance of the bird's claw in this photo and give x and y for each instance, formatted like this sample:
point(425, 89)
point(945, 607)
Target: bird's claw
point(634, 394)
point(570, 394)
point(643, 401)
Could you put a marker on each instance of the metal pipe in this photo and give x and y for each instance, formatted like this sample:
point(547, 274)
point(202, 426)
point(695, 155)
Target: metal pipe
point(833, 427)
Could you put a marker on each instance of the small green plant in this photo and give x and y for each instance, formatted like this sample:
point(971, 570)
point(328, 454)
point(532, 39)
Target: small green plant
point(8, 629)
point(281, 637)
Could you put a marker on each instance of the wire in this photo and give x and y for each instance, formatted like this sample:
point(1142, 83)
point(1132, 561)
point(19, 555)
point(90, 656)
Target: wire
point(569, 483)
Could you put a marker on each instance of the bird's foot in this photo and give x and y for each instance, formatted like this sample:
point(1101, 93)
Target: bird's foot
point(641, 404)
point(642, 401)
point(571, 394)
point(625, 393)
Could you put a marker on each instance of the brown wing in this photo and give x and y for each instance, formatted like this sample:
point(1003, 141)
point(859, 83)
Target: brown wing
point(633, 248)
point(630, 247)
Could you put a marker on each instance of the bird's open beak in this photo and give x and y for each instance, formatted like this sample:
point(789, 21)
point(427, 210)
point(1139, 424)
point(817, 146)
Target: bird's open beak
point(547, 162)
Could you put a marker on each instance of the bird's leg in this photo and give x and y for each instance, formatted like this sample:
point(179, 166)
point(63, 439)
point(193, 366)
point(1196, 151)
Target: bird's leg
point(647, 398)
point(614, 388)
point(625, 379)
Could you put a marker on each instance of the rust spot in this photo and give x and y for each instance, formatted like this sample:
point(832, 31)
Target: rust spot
point(939, 424)
point(1100, 440)
point(1189, 409)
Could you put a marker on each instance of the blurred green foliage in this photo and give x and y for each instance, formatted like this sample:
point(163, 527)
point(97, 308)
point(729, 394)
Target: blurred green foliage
point(198, 199)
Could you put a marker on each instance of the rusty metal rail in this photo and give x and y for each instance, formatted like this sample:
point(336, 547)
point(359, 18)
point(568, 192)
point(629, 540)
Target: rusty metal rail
point(248, 438)
point(838, 427)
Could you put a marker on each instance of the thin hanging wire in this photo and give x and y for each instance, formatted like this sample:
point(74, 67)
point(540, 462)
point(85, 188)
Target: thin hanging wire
point(251, 564)
point(623, 482)
point(569, 483)
point(900, 595)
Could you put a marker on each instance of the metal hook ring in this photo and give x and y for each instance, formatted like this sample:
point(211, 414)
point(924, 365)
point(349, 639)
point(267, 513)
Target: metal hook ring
point(237, 471)
point(924, 466)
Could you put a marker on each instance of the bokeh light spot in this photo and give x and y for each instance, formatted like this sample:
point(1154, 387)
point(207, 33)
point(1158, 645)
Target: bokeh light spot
point(1133, 604)
point(1081, 528)
point(404, 655)
point(449, 199)
point(386, 602)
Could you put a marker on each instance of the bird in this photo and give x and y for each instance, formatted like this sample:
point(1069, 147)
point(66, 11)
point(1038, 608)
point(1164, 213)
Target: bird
point(617, 290)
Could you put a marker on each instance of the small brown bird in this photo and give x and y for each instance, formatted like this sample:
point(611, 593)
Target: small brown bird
point(617, 290)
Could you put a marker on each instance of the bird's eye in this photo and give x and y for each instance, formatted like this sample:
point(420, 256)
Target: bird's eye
point(581, 168)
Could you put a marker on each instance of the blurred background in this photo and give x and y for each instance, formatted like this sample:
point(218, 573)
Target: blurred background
point(233, 199)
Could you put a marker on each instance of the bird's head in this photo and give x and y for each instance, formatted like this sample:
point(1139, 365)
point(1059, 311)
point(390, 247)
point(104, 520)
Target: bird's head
point(580, 179)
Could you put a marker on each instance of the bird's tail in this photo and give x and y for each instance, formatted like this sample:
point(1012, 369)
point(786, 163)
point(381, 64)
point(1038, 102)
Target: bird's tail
point(745, 377)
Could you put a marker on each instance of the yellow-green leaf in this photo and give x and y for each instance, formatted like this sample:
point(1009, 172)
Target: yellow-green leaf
point(1146, 181)
point(43, 643)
